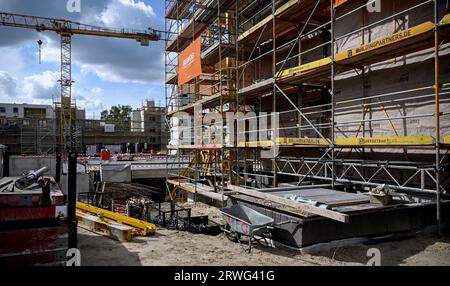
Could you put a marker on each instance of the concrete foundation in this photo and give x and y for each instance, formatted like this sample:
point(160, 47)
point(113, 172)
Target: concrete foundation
point(374, 222)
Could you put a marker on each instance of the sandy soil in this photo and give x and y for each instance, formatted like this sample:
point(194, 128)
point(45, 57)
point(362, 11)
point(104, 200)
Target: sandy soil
point(170, 247)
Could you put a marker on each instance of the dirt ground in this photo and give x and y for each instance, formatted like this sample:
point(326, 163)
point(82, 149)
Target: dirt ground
point(175, 248)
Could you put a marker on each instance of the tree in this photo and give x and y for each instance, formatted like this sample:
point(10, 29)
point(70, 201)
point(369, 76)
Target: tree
point(120, 115)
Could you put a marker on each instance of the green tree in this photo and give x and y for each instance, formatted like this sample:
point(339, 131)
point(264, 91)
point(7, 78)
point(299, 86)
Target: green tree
point(119, 115)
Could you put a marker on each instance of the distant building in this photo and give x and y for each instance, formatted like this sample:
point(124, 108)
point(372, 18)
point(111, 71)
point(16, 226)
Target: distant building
point(146, 132)
point(28, 128)
point(150, 120)
point(13, 110)
point(31, 129)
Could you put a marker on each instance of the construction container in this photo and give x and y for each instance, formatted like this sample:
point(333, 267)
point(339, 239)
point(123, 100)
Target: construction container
point(105, 155)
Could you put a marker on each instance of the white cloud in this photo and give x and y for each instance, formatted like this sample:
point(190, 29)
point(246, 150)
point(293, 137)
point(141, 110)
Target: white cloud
point(111, 60)
point(7, 85)
point(123, 13)
point(96, 90)
point(41, 86)
point(50, 50)
point(11, 60)
point(89, 101)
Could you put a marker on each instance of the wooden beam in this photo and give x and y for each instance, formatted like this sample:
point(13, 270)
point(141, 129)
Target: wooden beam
point(201, 189)
point(104, 226)
point(297, 205)
point(143, 226)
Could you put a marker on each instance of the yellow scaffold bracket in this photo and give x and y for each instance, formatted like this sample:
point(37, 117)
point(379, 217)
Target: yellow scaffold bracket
point(446, 140)
point(143, 226)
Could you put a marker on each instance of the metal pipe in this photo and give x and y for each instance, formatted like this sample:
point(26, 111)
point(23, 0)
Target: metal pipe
point(30, 178)
point(384, 95)
point(299, 36)
point(299, 111)
point(356, 182)
point(382, 20)
point(392, 101)
point(71, 199)
point(333, 105)
point(387, 164)
point(437, 114)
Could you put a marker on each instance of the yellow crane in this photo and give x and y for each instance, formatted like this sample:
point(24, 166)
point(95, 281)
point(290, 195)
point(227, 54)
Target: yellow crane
point(66, 29)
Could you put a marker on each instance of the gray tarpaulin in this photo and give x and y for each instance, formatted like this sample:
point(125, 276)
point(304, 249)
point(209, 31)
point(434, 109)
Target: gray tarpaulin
point(116, 173)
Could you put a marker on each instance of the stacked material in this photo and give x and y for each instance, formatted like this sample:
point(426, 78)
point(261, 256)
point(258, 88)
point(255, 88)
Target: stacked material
point(111, 224)
point(33, 226)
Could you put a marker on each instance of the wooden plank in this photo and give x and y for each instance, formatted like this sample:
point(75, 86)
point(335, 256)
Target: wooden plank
point(297, 205)
point(271, 205)
point(201, 190)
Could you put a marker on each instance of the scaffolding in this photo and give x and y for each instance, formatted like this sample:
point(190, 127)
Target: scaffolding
point(29, 136)
point(213, 91)
point(345, 81)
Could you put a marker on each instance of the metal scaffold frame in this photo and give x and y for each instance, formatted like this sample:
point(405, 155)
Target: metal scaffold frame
point(290, 58)
point(214, 23)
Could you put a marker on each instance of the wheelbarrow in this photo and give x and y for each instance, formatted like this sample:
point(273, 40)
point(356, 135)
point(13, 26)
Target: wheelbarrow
point(244, 221)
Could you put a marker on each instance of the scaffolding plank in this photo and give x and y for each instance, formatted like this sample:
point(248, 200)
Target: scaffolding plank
point(445, 21)
point(172, 79)
point(309, 141)
point(286, 141)
point(305, 67)
point(341, 217)
point(255, 28)
point(446, 140)
point(386, 141)
point(206, 102)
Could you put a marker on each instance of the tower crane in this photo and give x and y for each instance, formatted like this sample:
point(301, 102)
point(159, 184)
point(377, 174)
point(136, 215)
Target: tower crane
point(66, 29)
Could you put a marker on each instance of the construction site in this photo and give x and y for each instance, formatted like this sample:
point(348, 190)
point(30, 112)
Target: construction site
point(294, 133)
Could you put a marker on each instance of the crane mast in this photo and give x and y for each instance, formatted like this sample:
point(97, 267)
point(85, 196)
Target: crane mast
point(68, 139)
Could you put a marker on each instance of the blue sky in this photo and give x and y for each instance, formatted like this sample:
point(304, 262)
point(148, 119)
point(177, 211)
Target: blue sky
point(106, 71)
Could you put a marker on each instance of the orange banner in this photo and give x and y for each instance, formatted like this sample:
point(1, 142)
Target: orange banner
point(339, 2)
point(190, 62)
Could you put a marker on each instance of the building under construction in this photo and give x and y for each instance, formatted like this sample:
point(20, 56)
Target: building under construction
point(332, 100)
